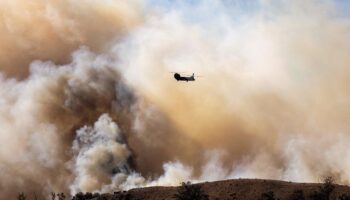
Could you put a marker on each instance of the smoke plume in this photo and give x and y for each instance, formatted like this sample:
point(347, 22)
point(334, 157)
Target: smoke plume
point(88, 103)
point(52, 30)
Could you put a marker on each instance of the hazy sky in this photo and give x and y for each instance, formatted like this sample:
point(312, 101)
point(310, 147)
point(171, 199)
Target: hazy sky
point(237, 7)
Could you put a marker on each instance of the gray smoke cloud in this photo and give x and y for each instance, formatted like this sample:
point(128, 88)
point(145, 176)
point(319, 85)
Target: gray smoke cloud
point(272, 103)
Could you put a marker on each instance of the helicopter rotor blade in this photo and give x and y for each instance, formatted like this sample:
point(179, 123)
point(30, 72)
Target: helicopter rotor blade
point(177, 72)
point(189, 75)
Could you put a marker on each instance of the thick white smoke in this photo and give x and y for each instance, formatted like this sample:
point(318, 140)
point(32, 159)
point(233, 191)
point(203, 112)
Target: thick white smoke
point(102, 159)
point(101, 152)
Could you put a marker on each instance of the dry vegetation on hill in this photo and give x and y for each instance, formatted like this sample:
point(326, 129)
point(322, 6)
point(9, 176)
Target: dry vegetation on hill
point(237, 189)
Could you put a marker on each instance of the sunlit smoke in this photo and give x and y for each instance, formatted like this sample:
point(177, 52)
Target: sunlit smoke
point(274, 90)
point(52, 30)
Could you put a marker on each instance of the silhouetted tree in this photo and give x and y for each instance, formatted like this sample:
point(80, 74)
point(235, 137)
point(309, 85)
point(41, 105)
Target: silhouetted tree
point(325, 190)
point(328, 186)
point(21, 196)
point(78, 196)
point(61, 196)
point(187, 191)
point(53, 196)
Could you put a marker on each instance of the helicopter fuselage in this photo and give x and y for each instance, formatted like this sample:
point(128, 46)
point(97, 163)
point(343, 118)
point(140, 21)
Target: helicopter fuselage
point(178, 77)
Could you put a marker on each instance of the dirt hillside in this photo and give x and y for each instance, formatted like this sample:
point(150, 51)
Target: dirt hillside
point(237, 189)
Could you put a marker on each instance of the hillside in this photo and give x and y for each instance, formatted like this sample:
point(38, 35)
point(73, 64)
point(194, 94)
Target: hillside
point(237, 189)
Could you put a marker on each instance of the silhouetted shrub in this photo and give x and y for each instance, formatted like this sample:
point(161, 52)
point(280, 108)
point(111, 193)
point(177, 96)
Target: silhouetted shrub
point(78, 196)
point(297, 195)
point(61, 196)
point(104, 197)
point(53, 196)
point(233, 196)
point(187, 191)
point(94, 195)
point(268, 196)
point(328, 186)
point(324, 191)
point(120, 195)
point(21, 196)
point(344, 197)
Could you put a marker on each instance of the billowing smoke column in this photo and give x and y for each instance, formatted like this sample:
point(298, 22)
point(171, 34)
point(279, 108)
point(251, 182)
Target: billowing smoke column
point(87, 103)
point(52, 30)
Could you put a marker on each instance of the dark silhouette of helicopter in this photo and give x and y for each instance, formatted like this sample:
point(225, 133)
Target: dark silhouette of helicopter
point(178, 77)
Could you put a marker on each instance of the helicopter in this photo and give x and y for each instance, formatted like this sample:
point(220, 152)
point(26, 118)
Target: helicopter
point(178, 77)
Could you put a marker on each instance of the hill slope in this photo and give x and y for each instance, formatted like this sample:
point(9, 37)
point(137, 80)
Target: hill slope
point(237, 189)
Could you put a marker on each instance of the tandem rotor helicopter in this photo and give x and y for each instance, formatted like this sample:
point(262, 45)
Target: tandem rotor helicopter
point(178, 77)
